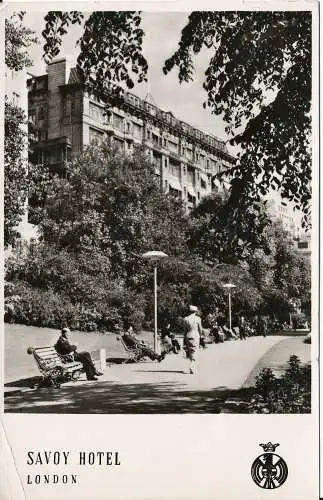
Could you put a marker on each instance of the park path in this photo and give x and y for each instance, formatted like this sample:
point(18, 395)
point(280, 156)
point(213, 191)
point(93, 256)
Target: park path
point(151, 387)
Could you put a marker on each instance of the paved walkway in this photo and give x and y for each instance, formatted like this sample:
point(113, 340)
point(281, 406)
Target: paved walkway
point(152, 387)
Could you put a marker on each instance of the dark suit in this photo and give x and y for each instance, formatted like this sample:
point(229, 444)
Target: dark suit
point(64, 347)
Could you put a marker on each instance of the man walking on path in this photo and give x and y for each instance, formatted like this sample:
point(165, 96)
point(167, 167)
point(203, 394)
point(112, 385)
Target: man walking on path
point(192, 335)
point(242, 328)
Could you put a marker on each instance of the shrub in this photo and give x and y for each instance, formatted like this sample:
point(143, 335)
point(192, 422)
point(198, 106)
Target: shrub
point(290, 393)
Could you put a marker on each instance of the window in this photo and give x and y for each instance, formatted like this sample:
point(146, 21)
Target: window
point(166, 184)
point(203, 184)
point(190, 175)
point(118, 122)
point(165, 142)
point(189, 154)
point(41, 113)
point(15, 99)
point(212, 165)
point(67, 107)
point(32, 116)
point(96, 112)
point(137, 130)
point(173, 146)
point(157, 160)
point(42, 135)
point(165, 162)
point(96, 135)
point(148, 134)
point(191, 199)
point(40, 84)
point(175, 169)
point(155, 139)
point(119, 145)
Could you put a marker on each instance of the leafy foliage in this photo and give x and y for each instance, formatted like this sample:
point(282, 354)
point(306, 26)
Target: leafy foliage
point(282, 274)
point(15, 170)
point(256, 55)
point(110, 49)
point(268, 255)
point(218, 234)
point(291, 393)
point(18, 39)
point(111, 203)
point(94, 225)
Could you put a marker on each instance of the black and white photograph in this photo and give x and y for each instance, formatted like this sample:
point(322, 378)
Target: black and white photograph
point(157, 212)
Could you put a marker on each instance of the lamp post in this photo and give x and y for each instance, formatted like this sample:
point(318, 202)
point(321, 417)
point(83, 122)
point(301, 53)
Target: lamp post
point(154, 256)
point(229, 287)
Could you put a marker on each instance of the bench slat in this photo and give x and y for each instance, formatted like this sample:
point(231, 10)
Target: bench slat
point(48, 348)
point(45, 352)
point(47, 355)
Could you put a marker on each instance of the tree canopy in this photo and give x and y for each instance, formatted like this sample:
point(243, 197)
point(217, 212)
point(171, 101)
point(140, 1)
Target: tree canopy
point(18, 39)
point(258, 80)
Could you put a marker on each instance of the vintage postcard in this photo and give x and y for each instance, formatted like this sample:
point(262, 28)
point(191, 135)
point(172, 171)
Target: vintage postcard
point(161, 268)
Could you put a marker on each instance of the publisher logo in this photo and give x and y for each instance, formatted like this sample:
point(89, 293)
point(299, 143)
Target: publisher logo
point(269, 470)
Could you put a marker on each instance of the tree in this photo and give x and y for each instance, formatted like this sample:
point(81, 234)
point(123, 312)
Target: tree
point(258, 80)
point(282, 275)
point(15, 171)
point(218, 235)
point(112, 203)
point(18, 39)
point(255, 54)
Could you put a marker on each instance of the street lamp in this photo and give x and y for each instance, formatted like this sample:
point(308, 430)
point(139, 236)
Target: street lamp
point(154, 256)
point(229, 287)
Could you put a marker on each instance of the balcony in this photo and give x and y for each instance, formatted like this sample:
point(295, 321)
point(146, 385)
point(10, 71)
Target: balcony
point(128, 136)
point(109, 128)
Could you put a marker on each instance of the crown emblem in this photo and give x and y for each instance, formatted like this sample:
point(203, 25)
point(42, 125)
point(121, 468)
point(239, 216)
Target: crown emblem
point(269, 446)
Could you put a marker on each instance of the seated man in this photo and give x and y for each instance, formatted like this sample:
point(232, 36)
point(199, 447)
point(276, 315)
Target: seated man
point(132, 341)
point(217, 332)
point(63, 347)
point(169, 341)
point(230, 334)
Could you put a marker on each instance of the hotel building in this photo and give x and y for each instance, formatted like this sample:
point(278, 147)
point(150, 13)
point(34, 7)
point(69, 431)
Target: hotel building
point(66, 118)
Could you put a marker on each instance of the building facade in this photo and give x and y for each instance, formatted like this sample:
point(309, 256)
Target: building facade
point(283, 211)
point(65, 118)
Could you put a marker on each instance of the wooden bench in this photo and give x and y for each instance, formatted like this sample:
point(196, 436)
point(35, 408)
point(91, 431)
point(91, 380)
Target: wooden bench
point(55, 368)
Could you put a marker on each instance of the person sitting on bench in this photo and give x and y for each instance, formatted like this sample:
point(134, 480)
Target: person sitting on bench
point(64, 347)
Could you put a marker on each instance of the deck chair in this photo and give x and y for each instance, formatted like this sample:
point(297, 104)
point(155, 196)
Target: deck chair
point(132, 348)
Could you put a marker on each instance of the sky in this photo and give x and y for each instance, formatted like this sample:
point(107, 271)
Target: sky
point(162, 31)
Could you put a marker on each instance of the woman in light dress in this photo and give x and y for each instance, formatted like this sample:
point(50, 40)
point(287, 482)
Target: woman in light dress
point(192, 335)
